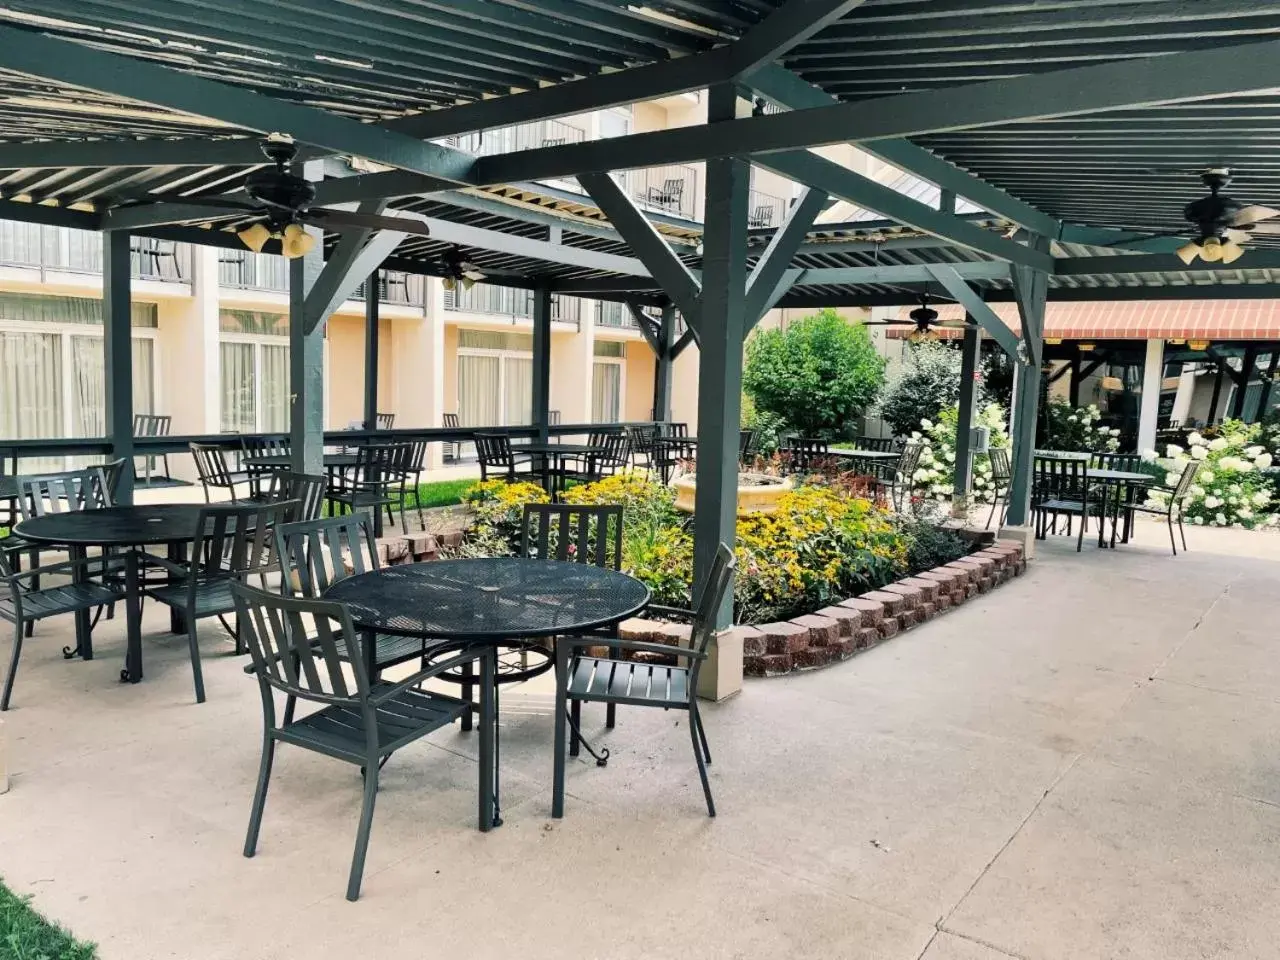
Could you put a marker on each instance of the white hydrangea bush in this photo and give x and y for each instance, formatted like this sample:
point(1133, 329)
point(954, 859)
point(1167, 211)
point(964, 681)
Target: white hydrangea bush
point(934, 478)
point(1229, 488)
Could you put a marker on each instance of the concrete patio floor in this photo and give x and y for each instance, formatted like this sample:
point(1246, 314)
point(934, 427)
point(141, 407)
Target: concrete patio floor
point(1082, 764)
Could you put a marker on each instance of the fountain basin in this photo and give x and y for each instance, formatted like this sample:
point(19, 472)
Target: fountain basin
point(757, 492)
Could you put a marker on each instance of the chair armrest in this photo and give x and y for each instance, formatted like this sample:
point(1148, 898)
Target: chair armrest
point(179, 569)
point(636, 646)
point(681, 613)
point(427, 673)
point(63, 566)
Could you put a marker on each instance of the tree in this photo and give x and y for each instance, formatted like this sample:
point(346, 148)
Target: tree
point(928, 384)
point(817, 374)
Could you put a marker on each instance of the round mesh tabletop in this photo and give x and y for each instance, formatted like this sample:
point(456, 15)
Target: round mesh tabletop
point(115, 526)
point(488, 599)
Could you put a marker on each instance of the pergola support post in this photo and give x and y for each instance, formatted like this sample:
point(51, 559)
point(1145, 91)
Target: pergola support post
point(117, 358)
point(662, 370)
point(371, 337)
point(1073, 387)
point(306, 366)
point(1264, 398)
point(722, 326)
point(1031, 288)
point(1242, 384)
point(542, 361)
point(1149, 409)
point(970, 352)
point(1217, 395)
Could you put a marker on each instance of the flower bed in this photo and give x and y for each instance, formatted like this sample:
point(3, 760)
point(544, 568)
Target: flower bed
point(1229, 489)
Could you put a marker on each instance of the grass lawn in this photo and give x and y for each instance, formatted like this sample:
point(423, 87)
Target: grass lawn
point(25, 935)
point(444, 493)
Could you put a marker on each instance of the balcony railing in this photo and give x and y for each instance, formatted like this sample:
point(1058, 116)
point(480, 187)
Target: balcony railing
point(80, 251)
point(672, 189)
point(510, 302)
point(611, 314)
point(246, 270)
point(764, 210)
point(524, 136)
point(396, 287)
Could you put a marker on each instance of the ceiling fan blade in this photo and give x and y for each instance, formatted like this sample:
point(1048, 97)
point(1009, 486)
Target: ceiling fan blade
point(368, 221)
point(1253, 213)
point(1242, 236)
point(212, 200)
point(1270, 229)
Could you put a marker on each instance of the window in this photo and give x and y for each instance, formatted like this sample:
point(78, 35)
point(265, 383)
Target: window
point(606, 381)
point(495, 378)
point(52, 378)
point(254, 360)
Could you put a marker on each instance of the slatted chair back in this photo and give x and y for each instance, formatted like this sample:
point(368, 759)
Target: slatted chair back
point(69, 491)
point(294, 644)
point(1129, 462)
point(113, 472)
point(384, 421)
point(265, 446)
point(677, 429)
point(553, 418)
point(641, 437)
point(874, 444)
point(613, 453)
point(1056, 478)
point(573, 533)
point(377, 465)
point(318, 553)
point(415, 458)
point(152, 424)
point(805, 452)
point(1001, 468)
point(707, 612)
point(306, 488)
point(235, 541)
point(211, 465)
point(450, 421)
point(745, 439)
point(1182, 489)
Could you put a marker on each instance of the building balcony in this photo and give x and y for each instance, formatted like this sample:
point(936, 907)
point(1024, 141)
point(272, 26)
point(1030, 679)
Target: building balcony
point(510, 302)
point(63, 249)
point(671, 189)
point(765, 210)
point(246, 270)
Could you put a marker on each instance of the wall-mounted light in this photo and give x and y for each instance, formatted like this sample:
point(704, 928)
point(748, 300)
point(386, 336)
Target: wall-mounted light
point(1052, 341)
point(1199, 344)
point(1085, 347)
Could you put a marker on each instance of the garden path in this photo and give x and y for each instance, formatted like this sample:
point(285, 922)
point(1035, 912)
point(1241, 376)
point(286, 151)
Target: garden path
point(1082, 764)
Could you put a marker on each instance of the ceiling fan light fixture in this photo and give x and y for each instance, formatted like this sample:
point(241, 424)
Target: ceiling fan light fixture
point(297, 242)
point(467, 283)
point(1211, 250)
point(1231, 251)
point(450, 283)
point(255, 237)
point(1188, 252)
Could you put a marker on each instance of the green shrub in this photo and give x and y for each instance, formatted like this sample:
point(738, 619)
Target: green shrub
point(929, 382)
point(817, 375)
point(1077, 428)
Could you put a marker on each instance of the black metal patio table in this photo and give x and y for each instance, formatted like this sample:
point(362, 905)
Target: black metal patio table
point(671, 451)
point(553, 456)
point(1124, 483)
point(489, 602)
point(282, 461)
point(128, 527)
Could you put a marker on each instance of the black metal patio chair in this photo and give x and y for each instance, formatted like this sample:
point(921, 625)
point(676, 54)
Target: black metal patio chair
point(295, 644)
point(1177, 498)
point(415, 464)
point(452, 448)
point(641, 443)
point(1061, 488)
point(375, 483)
point(875, 444)
point(306, 488)
point(746, 439)
point(1001, 477)
point(23, 601)
point(588, 679)
point(211, 466)
point(611, 453)
point(497, 458)
point(315, 554)
point(259, 477)
point(384, 421)
point(900, 475)
point(806, 452)
point(232, 542)
point(153, 425)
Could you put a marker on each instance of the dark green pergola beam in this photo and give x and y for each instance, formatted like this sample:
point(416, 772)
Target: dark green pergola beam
point(1150, 81)
point(65, 61)
point(974, 306)
point(771, 278)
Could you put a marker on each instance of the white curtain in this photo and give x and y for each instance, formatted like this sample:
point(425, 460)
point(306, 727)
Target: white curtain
point(478, 391)
point(144, 375)
point(88, 390)
point(273, 392)
point(518, 401)
point(606, 392)
point(31, 390)
point(239, 388)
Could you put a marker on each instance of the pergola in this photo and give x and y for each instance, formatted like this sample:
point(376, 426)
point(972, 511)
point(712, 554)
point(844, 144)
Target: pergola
point(1074, 126)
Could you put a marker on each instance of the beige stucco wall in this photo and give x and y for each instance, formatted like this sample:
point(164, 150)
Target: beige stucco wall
point(346, 370)
point(638, 381)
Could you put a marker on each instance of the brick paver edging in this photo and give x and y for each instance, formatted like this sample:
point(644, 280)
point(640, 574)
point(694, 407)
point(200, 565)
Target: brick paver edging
point(825, 636)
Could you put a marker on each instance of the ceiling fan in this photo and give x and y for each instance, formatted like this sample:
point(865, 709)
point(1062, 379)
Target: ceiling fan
point(280, 202)
point(925, 319)
point(459, 271)
point(1222, 222)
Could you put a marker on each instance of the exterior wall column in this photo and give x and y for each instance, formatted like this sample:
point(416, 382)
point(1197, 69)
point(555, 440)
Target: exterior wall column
point(582, 358)
point(306, 365)
point(1182, 399)
point(417, 358)
point(1031, 288)
point(542, 361)
point(662, 365)
point(371, 345)
point(1149, 411)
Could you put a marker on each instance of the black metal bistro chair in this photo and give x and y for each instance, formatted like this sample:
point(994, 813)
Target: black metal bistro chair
point(316, 554)
point(642, 444)
point(610, 454)
point(384, 421)
point(414, 466)
point(1061, 487)
point(259, 477)
point(306, 488)
point(584, 678)
point(375, 483)
point(1001, 477)
point(232, 542)
point(153, 425)
point(900, 475)
point(23, 601)
point(452, 448)
point(294, 645)
point(667, 196)
point(745, 440)
point(806, 452)
point(211, 465)
point(497, 458)
point(1177, 498)
point(875, 444)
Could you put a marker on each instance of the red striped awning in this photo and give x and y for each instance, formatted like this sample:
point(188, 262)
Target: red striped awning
point(1134, 319)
